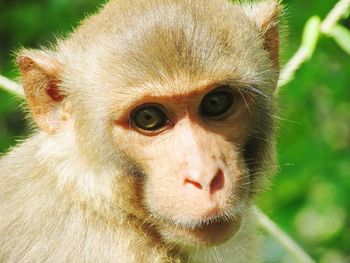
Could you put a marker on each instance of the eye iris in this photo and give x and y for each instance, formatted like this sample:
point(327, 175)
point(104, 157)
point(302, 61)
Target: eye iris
point(149, 118)
point(216, 103)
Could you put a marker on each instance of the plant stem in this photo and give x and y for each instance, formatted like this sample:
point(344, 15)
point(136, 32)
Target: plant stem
point(11, 86)
point(281, 237)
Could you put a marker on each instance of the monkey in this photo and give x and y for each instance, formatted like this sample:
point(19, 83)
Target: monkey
point(154, 132)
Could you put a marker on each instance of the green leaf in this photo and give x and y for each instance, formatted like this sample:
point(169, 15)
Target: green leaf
point(311, 34)
point(341, 35)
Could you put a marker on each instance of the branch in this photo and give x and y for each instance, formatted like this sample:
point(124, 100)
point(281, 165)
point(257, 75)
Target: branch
point(311, 33)
point(281, 237)
point(335, 15)
point(305, 51)
point(11, 86)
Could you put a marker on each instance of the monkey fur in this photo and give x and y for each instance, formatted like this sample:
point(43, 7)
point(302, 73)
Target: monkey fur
point(91, 186)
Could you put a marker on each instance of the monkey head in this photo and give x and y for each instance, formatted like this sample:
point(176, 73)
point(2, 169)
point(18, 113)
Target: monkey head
point(169, 105)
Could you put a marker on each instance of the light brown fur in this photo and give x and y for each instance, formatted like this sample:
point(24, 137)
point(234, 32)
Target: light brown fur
point(89, 187)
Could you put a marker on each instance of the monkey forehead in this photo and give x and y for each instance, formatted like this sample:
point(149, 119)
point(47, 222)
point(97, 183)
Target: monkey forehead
point(159, 41)
point(168, 42)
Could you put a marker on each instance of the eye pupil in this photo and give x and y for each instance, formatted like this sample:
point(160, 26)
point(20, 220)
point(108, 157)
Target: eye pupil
point(217, 102)
point(213, 102)
point(149, 118)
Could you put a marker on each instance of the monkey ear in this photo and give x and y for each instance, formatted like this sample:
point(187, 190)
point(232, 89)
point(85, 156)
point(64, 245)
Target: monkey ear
point(265, 16)
point(41, 79)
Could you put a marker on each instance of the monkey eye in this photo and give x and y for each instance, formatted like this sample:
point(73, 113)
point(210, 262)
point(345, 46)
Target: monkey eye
point(149, 118)
point(217, 102)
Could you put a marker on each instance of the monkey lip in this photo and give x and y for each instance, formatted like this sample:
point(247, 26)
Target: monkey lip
point(209, 218)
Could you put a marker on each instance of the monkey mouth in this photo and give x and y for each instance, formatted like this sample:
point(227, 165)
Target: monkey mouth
point(215, 216)
point(208, 231)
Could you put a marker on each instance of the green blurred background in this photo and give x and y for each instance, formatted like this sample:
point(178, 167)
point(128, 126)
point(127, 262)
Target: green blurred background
point(310, 196)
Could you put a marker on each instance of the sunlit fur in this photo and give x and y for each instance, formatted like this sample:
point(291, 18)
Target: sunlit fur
point(89, 187)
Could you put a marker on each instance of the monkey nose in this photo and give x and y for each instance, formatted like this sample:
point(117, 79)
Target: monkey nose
point(211, 184)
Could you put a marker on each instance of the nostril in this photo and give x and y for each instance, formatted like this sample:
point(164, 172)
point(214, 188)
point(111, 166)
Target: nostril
point(217, 183)
point(194, 183)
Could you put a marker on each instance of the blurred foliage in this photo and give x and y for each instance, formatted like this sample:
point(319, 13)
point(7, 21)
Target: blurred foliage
point(310, 196)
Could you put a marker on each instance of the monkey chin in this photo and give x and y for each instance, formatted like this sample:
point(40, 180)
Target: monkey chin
point(205, 235)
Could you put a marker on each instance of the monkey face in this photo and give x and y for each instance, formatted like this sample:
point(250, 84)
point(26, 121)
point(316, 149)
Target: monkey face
point(196, 184)
point(188, 104)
